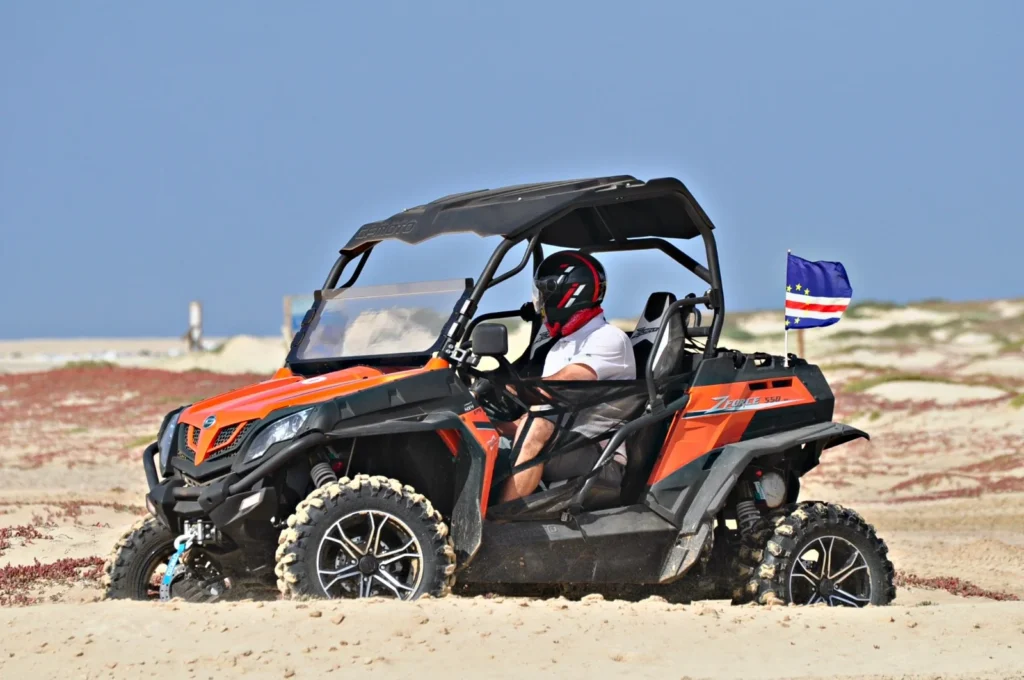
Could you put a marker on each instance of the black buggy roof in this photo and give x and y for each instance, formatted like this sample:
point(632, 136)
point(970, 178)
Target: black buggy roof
point(572, 213)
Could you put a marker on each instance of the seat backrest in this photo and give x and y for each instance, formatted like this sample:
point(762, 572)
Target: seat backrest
point(668, 353)
point(642, 446)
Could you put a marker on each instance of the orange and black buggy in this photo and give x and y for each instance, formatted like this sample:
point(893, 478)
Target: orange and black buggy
point(368, 464)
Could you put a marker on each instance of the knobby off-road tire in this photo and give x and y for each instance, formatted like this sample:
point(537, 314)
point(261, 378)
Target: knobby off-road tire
point(367, 502)
point(140, 551)
point(768, 559)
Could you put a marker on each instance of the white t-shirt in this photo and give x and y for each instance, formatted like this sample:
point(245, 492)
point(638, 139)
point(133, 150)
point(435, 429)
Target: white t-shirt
point(598, 344)
point(603, 347)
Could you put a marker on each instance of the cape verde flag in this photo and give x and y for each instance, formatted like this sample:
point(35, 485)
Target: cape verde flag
point(817, 293)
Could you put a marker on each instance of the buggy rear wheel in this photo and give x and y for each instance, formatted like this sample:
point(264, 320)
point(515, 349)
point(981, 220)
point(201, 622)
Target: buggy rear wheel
point(819, 553)
point(365, 537)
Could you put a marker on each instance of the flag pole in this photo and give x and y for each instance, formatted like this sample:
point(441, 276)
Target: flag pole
point(785, 323)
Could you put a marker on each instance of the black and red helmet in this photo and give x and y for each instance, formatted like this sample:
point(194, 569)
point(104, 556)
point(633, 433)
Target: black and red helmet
point(566, 283)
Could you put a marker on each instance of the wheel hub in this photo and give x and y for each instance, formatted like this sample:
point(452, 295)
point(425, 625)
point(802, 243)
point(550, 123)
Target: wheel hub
point(382, 556)
point(368, 565)
point(836, 575)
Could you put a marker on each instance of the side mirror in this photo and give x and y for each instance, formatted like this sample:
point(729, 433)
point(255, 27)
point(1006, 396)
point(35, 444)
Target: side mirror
point(490, 340)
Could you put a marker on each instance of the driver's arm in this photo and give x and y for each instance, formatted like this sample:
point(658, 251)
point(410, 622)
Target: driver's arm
point(574, 372)
point(570, 372)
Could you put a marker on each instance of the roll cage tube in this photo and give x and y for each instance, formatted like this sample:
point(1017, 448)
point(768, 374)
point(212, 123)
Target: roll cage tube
point(339, 266)
point(664, 246)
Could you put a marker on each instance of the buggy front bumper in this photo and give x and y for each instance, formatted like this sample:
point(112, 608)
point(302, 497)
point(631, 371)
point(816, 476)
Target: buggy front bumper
point(232, 503)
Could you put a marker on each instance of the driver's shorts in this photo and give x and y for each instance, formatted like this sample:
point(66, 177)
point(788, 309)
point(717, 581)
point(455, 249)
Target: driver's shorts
point(572, 464)
point(579, 462)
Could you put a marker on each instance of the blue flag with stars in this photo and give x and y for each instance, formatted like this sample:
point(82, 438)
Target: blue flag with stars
point(817, 293)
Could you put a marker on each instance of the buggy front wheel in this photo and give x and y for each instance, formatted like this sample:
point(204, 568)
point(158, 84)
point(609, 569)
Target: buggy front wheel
point(138, 562)
point(365, 537)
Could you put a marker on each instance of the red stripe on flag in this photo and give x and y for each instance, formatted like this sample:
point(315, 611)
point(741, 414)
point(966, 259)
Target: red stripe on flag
point(790, 304)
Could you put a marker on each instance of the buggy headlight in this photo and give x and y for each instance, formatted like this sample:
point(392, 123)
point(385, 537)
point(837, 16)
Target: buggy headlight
point(284, 429)
point(166, 440)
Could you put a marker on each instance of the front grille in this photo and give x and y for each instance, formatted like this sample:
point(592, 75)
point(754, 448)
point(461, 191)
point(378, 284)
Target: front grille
point(185, 448)
point(233, 447)
point(224, 436)
point(188, 440)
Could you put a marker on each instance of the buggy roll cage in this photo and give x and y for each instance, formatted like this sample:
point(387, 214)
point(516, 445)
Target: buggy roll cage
point(592, 199)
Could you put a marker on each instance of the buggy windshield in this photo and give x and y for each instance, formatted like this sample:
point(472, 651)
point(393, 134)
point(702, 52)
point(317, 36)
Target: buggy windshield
point(381, 320)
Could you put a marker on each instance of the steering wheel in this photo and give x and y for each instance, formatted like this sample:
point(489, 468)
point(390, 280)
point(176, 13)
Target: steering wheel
point(497, 401)
point(490, 392)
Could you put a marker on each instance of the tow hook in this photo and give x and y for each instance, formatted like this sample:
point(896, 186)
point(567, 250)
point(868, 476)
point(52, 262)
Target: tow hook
point(195, 533)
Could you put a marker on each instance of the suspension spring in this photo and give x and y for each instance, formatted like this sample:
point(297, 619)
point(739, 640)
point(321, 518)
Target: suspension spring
point(323, 475)
point(747, 516)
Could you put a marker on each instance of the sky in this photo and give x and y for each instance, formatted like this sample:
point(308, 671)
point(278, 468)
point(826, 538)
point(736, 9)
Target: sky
point(154, 153)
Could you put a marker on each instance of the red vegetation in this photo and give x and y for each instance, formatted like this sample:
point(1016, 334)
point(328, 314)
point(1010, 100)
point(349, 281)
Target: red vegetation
point(15, 580)
point(1005, 485)
point(43, 408)
point(72, 510)
point(25, 532)
point(951, 585)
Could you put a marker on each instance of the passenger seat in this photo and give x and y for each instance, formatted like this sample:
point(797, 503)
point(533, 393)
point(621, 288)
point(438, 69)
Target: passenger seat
point(646, 331)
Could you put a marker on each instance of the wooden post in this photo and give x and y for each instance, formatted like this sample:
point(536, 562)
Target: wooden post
point(195, 326)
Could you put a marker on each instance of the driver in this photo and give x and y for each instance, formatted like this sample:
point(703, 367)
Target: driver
point(568, 290)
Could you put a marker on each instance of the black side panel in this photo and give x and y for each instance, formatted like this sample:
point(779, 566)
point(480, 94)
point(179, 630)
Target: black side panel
point(671, 496)
point(621, 545)
point(467, 517)
point(701, 502)
point(733, 367)
point(423, 393)
point(786, 419)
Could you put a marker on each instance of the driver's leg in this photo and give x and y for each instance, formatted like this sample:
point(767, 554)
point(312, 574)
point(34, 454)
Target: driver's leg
point(536, 436)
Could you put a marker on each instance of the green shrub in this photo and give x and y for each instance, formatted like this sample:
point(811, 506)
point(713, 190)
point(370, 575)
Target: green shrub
point(88, 363)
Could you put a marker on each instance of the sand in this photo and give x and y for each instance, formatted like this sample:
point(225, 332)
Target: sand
point(508, 638)
point(1005, 366)
point(939, 392)
point(241, 354)
point(915, 361)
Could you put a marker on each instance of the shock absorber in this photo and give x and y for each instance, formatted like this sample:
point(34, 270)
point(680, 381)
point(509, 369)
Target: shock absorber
point(323, 474)
point(747, 516)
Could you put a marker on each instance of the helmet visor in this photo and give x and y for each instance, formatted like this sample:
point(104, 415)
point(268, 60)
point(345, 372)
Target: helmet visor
point(543, 288)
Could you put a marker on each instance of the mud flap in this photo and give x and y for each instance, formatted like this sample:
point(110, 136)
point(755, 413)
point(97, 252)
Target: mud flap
point(685, 553)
